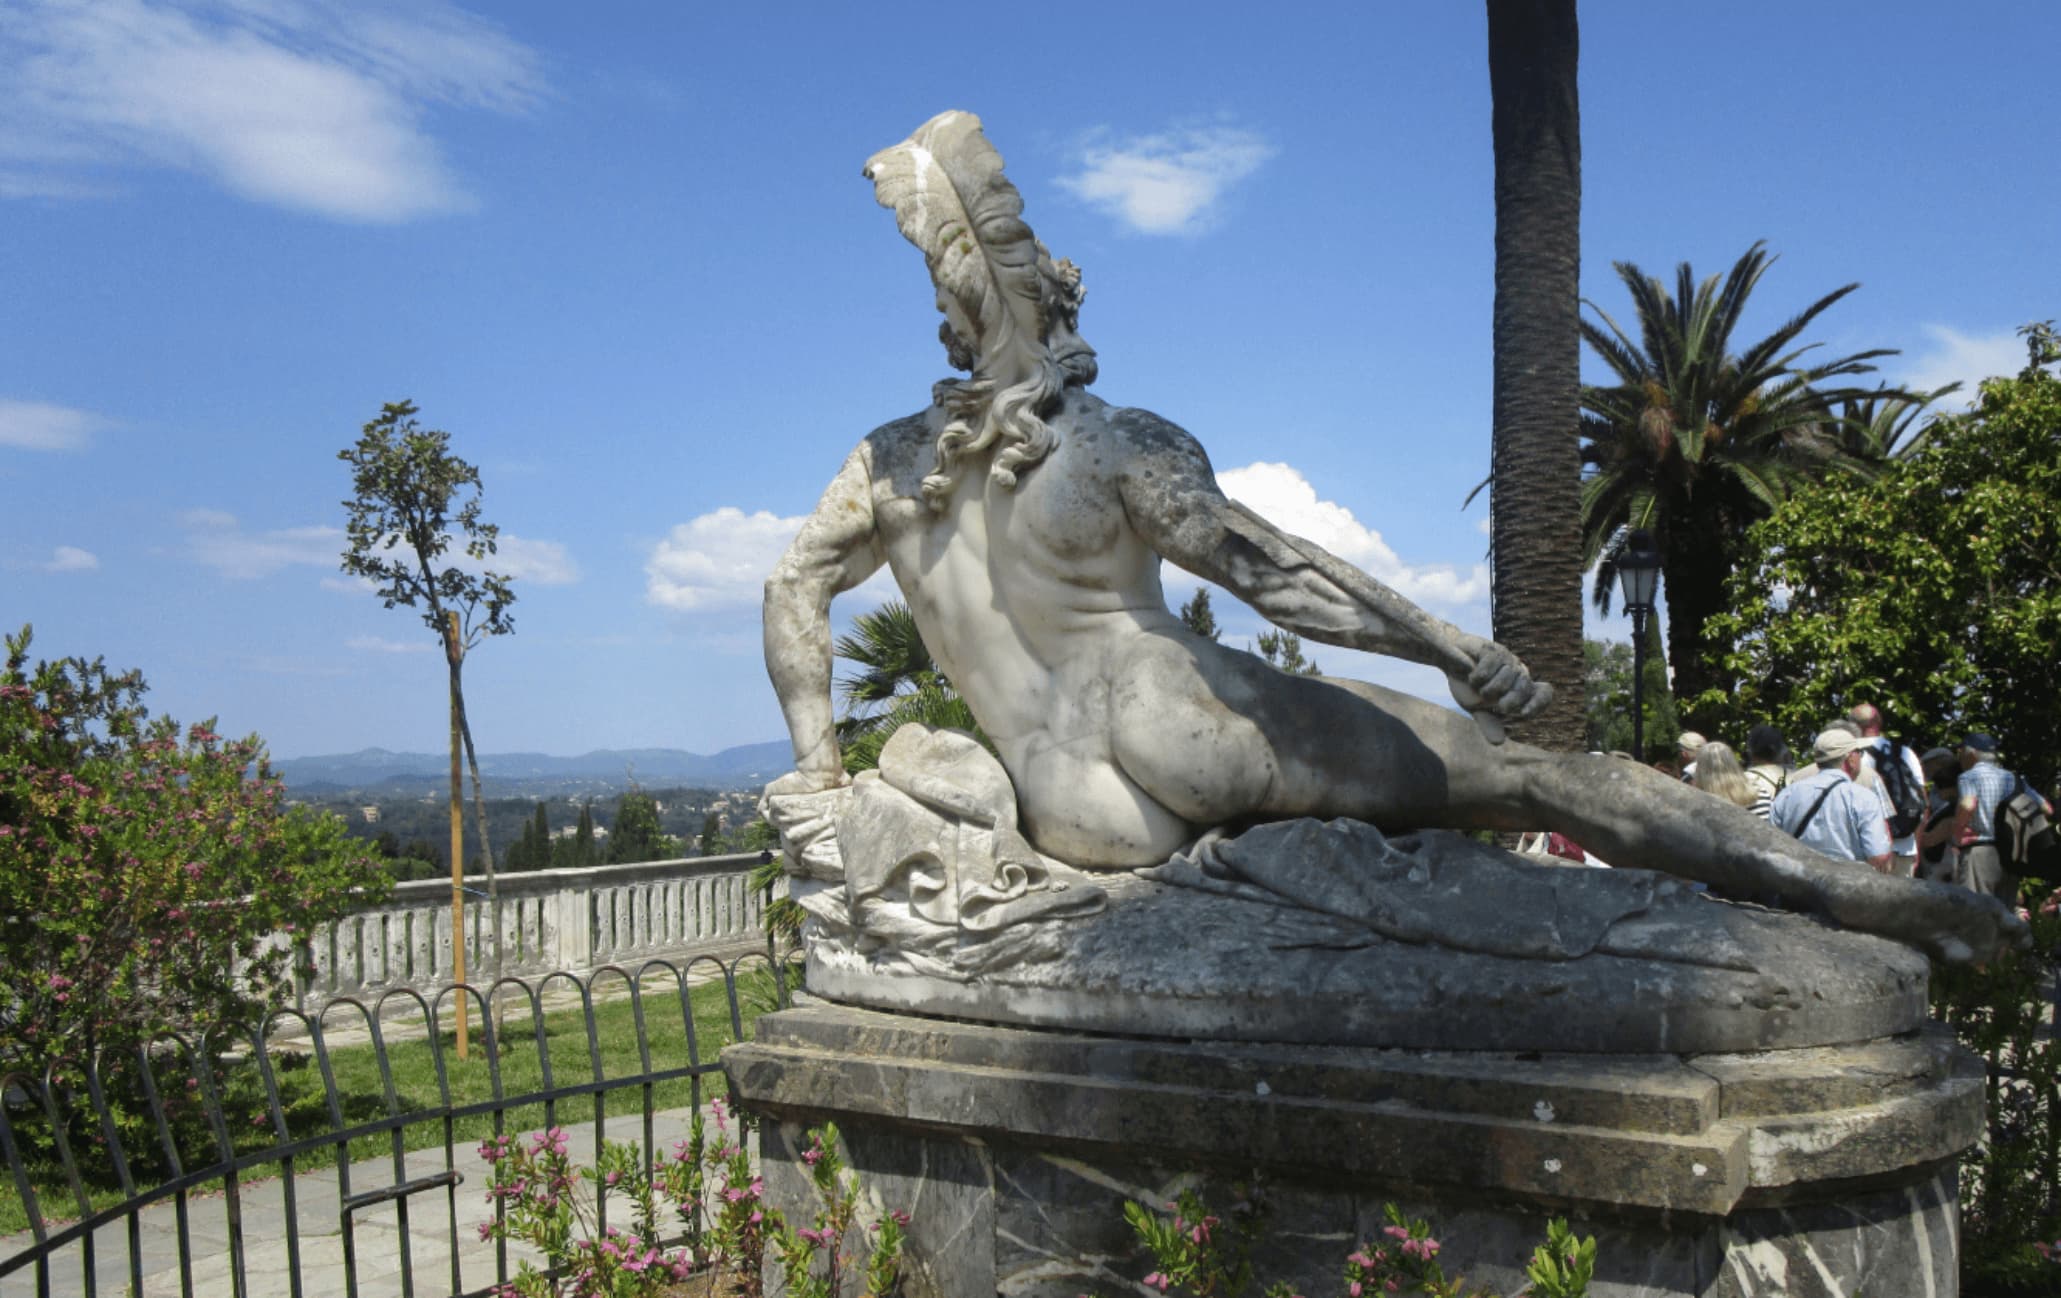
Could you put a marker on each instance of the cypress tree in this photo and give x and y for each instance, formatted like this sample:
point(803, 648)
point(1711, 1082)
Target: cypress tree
point(583, 840)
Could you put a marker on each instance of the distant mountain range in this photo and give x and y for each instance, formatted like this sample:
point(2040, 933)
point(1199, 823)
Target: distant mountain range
point(376, 770)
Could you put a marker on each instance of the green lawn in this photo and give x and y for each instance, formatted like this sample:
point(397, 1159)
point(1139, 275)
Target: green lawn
point(363, 1096)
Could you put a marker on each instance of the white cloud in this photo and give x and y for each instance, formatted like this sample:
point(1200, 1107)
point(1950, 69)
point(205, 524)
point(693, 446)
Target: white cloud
point(1967, 358)
point(516, 557)
point(543, 562)
point(348, 585)
point(717, 560)
point(38, 426)
point(1166, 183)
point(1280, 494)
point(316, 105)
point(70, 558)
point(381, 645)
point(216, 539)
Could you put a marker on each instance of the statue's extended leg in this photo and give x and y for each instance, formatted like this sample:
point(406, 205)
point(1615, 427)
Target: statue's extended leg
point(1329, 747)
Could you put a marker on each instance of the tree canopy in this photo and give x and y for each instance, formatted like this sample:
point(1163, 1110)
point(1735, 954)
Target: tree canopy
point(1198, 616)
point(1607, 696)
point(897, 682)
point(1698, 436)
point(146, 870)
point(1933, 591)
point(411, 501)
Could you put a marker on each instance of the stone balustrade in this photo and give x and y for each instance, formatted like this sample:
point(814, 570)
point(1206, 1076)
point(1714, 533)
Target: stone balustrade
point(572, 921)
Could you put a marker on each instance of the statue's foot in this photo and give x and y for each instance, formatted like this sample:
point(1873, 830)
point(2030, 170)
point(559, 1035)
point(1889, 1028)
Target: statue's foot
point(1951, 924)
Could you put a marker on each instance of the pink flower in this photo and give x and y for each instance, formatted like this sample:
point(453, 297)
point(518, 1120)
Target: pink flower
point(1159, 1281)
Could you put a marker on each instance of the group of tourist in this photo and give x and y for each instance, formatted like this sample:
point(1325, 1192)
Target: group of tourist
point(1868, 798)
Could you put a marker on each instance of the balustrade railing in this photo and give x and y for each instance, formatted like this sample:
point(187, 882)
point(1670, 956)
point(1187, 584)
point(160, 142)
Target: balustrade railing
point(551, 921)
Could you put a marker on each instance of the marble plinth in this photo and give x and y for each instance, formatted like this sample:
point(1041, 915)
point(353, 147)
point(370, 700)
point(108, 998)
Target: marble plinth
point(1679, 972)
point(1804, 1171)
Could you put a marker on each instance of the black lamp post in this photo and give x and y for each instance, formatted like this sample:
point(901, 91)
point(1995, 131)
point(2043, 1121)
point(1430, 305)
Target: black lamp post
point(1638, 569)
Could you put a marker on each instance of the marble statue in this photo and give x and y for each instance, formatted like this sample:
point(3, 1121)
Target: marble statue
point(1025, 520)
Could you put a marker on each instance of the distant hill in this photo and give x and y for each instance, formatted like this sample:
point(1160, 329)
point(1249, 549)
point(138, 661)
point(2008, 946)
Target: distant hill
point(376, 770)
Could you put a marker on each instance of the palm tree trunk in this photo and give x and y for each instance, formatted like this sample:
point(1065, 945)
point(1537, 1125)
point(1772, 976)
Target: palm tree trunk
point(1535, 469)
point(1693, 574)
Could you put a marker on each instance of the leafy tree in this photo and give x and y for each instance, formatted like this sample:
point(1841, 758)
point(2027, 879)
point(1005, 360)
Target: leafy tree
point(1695, 440)
point(145, 869)
point(1933, 591)
point(1607, 695)
point(897, 683)
point(1197, 616)
point(1535, 125)
point(711, 839)
point(411, 499)
point(1283, 649)
point(636, 834)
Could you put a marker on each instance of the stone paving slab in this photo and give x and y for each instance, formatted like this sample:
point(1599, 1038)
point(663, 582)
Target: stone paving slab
point(379, 1245)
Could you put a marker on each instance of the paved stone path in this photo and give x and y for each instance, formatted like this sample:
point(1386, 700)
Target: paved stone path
point(379, 1240)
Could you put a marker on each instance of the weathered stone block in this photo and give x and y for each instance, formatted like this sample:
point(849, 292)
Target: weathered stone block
point(1795, 1172)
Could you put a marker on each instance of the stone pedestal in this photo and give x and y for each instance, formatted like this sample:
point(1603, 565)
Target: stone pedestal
point(1804, 1171)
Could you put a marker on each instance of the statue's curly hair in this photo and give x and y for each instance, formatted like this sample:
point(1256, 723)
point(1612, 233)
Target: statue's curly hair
point(981, 416)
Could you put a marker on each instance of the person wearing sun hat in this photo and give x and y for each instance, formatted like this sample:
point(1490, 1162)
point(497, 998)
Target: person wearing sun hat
point(1829, 812)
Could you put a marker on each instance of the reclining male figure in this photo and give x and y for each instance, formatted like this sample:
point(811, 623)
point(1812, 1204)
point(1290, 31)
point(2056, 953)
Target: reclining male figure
point(1025, 521)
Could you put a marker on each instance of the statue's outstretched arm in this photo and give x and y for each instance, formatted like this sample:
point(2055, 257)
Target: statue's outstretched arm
point(838, 548)
point(1172, 497)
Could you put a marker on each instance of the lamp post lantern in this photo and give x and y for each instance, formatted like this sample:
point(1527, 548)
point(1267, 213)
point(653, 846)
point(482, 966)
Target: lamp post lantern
point(1638, 569)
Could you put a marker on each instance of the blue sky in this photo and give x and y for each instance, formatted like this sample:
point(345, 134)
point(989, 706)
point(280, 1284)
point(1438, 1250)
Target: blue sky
point(625, 255)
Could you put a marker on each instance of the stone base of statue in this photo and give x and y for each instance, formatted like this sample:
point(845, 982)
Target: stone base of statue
point(1817, 1170)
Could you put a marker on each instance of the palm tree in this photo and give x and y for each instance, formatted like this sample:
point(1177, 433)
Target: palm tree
point(897, 683)
point(1883, 426)
point(1695, 440)
point(1534, 472)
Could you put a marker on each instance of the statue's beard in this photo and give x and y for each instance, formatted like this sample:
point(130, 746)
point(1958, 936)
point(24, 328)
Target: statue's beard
point(1013, 418)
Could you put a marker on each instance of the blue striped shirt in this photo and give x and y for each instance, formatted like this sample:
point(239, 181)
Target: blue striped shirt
point(1990, 785)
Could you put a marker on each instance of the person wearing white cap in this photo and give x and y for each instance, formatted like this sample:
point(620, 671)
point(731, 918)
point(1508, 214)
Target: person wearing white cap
point(1690, 744)
point(1831, 813)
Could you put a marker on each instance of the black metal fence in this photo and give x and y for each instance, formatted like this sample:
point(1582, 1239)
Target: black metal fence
point(96, 1159)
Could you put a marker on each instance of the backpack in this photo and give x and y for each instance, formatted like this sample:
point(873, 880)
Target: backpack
point(1906, 796)
point(2025, 838)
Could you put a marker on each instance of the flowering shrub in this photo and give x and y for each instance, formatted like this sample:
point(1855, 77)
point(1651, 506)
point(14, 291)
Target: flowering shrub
point(814, 1259)
point(546, 1202)
point(719, 1220)
point(1195, 1254)
point(144, 869)
point(1195, 1249)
